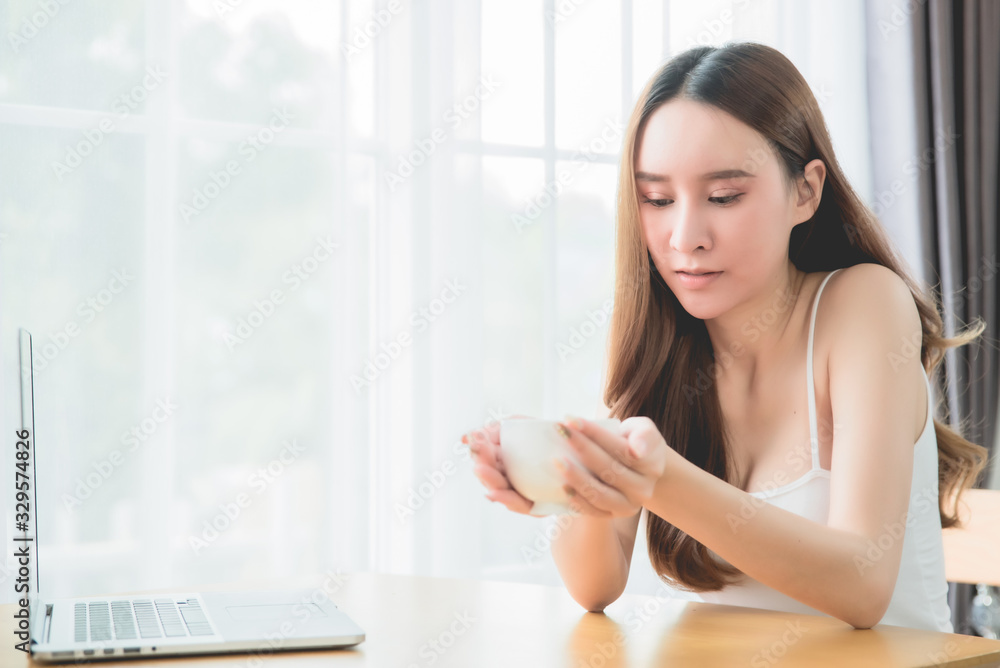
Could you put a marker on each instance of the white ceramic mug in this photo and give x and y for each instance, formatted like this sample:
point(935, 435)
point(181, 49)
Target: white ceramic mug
point(527, 448)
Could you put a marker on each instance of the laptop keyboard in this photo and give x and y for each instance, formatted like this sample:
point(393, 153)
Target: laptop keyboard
point(140, 618)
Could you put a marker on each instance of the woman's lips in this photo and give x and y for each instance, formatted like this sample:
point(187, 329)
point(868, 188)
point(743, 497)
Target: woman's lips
point(695, 281)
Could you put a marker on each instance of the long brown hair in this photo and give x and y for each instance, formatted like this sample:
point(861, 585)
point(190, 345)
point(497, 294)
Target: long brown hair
point(656, 350)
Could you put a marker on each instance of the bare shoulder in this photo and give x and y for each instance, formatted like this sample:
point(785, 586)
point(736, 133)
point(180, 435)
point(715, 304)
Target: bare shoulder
point(873, 335)
point(874, 296)
point(869, 273)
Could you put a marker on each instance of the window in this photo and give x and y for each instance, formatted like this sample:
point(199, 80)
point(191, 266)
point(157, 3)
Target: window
point(278, 256)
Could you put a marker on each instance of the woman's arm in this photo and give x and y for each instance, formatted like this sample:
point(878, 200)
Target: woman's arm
point(847, 568)
point(593, 555)
point(593, 552)
point(825, 567)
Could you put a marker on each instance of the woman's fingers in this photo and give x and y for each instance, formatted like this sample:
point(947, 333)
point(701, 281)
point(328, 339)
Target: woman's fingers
point(610, 441)
point(600, 495)
point(603, 456)
point(580, 505)
point(484, 444)
point(490, 477)
point(641, 433)
point(500, 489)
point(484, 451)
point(512, 500)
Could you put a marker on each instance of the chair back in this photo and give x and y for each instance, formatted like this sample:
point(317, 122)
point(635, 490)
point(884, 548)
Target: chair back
point(972, 550)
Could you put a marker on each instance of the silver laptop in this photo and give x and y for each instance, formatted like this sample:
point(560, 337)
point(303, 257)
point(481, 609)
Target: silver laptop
point(113, 627)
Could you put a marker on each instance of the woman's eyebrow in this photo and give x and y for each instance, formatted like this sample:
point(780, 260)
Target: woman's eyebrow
point(711, 176)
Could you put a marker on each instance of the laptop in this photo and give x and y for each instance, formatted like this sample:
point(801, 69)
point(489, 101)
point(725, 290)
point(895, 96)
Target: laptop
point(183, 623)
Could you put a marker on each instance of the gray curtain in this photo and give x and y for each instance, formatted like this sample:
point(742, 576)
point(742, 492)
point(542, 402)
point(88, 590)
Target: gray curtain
point(944, 58)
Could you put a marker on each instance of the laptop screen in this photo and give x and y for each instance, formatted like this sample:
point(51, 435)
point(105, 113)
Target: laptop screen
point(26, 506)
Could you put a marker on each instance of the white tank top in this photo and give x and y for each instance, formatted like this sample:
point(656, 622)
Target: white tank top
point(920, 599)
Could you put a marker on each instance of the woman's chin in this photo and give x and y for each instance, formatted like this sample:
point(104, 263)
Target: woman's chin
point(698, 308)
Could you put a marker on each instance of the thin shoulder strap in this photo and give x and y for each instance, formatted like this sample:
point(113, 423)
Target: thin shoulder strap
point(813, 431)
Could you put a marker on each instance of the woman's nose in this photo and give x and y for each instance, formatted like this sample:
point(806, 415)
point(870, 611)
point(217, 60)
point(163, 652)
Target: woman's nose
point(689, 230)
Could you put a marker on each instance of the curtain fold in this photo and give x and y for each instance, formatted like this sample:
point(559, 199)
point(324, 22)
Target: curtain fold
point(954, 82)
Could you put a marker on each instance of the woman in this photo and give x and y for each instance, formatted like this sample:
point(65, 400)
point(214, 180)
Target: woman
point(734, 218)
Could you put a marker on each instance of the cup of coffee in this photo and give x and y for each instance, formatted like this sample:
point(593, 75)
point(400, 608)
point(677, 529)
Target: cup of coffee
point(527, 448)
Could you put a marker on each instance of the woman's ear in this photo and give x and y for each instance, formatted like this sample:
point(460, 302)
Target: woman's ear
point(810, 190)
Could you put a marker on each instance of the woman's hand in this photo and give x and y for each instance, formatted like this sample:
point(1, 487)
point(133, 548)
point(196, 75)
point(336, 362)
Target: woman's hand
point(485, 447)
point(619, 471)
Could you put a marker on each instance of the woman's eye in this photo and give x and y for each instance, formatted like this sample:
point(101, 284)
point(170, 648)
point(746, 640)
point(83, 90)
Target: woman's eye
point(722, 201)
point(728, 199)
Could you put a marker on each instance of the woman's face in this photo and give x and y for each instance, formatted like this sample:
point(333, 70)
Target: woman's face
point(712, 198)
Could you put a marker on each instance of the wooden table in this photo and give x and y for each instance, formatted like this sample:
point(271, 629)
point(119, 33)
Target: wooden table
point(415, 622)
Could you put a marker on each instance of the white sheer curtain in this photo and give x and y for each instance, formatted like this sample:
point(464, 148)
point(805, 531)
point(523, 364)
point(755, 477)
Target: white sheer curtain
point(278, 256)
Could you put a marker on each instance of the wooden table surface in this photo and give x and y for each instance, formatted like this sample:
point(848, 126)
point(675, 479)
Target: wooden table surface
point(415, 622)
